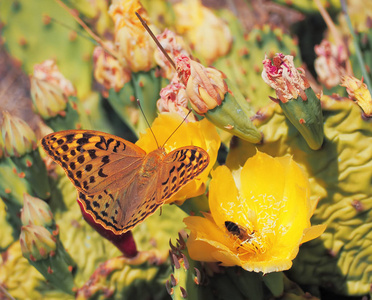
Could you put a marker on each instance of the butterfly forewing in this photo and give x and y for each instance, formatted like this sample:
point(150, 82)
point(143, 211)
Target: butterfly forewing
point(94, 160)
point(179, 167)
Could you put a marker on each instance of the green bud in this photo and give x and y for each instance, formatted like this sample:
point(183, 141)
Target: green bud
point(36, 212)
point(306, 116)
point(37, 242)
point(18, 136)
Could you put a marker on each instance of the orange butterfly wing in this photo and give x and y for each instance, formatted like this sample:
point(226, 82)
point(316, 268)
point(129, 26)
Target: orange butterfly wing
point(119, 184)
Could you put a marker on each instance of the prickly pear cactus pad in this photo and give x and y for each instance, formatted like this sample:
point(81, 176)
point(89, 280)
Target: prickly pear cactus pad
point(185, 149)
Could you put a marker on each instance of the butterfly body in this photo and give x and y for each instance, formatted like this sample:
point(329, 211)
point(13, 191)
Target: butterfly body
point(118, 183)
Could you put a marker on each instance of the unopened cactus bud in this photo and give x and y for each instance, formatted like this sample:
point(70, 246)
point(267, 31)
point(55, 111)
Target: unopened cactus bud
point(50, 90)
point(208, 35)
point(18, 137)
point(20, 145)
point(210, 96)
point(296, 98)
point(37, 242)
point(358, 91)
point(36, 212)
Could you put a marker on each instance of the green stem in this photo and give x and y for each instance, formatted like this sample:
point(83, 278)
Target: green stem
point(358, 52)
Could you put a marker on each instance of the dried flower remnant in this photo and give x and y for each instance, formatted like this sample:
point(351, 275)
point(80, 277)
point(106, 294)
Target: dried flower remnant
point(173, 99)
point(285, 78)
point(330, 65)
point(108, 71)
point(133, 43)
point(358, 91)
point(174, 46)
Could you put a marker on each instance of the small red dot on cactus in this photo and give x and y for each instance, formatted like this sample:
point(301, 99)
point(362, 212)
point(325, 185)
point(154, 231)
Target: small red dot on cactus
point(46, 19)
point(141, 84)
point(86, 57)
point(72, 35)
point(22, 175)
point(32, 258)
point(8, 191)
point(357, 205)
point(50, 271)
point(78, 126)
point(22, 41)
point(70, 268)
point(15, 170)
point(52, 253)
point(302, 121)
point(132, 98)
point(28, 163)
point(62, 113)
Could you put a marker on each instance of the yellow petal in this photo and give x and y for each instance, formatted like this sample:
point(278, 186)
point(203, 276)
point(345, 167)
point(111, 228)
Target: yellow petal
point(313, 232)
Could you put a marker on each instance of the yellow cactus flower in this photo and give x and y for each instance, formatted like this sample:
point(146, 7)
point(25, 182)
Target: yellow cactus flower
point(50, 89)
point(358, 91)
point(109, 71)
point(208, 35)
point(133, 42)
point(258, 218)
point(202, 134)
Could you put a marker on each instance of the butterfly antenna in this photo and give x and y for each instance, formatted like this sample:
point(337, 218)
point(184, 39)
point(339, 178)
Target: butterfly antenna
point(144, 24)
point(184, 119)
point(87, 29)
point(147, 122)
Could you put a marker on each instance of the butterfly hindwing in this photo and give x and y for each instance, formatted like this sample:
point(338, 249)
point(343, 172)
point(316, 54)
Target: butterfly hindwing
point(179, 167)
point(93, 160)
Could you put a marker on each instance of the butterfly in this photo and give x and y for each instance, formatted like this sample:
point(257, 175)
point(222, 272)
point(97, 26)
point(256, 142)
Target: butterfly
point(118, 183)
